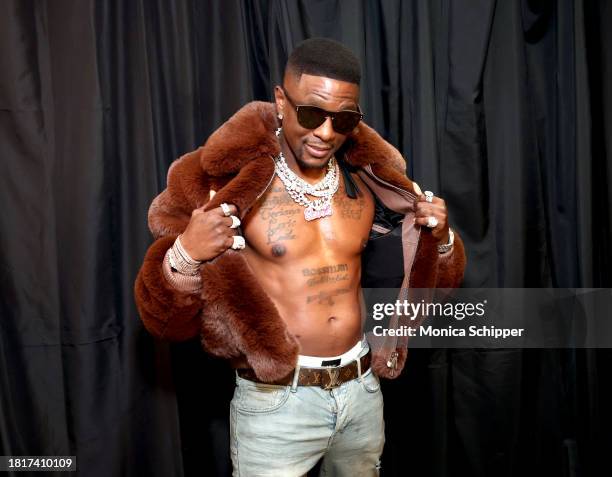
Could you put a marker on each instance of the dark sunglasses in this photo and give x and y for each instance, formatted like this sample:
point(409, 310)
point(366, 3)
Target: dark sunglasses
point(311, 117)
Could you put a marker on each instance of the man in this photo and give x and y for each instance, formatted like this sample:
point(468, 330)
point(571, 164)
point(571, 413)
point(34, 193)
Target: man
point(303, 180)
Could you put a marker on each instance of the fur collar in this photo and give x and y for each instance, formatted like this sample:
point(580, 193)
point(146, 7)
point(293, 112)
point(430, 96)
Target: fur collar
point(236, 162)
point(249, 134)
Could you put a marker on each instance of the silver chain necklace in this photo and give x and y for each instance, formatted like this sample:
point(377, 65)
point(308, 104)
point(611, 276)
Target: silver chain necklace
point(297, 188)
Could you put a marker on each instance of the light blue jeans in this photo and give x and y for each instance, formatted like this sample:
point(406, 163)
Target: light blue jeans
point(283, 431)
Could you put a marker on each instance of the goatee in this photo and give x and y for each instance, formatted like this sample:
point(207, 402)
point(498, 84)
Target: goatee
point(304, 165)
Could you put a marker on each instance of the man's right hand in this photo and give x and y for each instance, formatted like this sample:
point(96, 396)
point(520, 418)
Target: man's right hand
point(208, 234)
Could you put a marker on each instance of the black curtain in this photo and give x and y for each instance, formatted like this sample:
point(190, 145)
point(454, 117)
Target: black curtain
point(501, 107)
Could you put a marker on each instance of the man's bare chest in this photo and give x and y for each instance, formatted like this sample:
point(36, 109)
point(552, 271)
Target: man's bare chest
point(276, 227)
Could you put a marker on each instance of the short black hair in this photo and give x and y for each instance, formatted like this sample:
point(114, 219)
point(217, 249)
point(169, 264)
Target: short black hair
point(324, 57)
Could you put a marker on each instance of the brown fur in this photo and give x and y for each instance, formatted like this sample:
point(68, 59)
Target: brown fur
point(159, 304)
point(234, 316)
point(242, 191)
point(247, 135)
point(250, 318)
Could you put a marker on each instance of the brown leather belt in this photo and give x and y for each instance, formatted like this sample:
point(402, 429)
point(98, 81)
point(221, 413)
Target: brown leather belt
point(327, 378)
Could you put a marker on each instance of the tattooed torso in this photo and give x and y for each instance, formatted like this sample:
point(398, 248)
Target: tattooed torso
point(312, 270)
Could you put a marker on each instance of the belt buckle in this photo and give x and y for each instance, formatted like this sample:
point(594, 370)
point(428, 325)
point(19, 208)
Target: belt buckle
point(333, 379)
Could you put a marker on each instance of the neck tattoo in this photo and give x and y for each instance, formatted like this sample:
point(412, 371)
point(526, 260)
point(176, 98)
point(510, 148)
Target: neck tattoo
point(298, 188)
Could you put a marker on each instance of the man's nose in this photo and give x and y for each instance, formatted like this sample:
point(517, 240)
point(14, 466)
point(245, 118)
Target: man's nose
point(325, 132)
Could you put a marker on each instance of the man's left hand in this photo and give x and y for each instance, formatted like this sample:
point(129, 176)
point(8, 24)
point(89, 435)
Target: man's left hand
point(436, 208)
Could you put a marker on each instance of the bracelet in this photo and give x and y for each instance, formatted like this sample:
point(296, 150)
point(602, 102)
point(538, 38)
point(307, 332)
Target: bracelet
point(180, 249)
point(181, 261)
point(446, 247)
point(178, 281)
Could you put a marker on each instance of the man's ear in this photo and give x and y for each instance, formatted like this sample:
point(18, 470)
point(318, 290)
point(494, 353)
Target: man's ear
point(279, 98)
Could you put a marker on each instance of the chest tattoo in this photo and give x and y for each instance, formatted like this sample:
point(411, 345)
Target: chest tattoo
point(279, 213)
point(350, 208)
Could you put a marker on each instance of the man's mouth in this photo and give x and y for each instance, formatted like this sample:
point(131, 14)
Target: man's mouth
point(318, 152)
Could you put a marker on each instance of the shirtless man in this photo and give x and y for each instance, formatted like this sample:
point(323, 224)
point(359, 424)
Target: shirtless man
point(307, 259)
point(312, 268)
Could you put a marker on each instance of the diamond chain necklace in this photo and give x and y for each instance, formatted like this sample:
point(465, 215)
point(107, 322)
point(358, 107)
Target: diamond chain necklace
point(297, 188)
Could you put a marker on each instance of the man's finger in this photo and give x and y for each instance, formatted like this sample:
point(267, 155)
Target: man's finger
point(424, 211)
point(235, 244)
point(417, 189)
point(424, 205)
point(423, 221)
point(232, 209)
point(421, 199)
point(228, 221)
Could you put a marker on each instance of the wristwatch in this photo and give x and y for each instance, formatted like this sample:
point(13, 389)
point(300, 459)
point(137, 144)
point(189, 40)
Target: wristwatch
point(446, 247)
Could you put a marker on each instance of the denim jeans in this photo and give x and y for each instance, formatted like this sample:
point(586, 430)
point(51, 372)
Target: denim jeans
point(281, 431)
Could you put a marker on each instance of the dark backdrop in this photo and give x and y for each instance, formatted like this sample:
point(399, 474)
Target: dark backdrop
point(501, 107)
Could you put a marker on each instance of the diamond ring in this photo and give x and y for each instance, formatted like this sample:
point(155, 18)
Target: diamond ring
point(235, 222)
point(431, 221)
point(226, 210)
point(239, 242)
point(429, 196)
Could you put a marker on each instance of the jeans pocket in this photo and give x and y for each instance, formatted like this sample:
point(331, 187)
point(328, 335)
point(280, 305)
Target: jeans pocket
point(370, 382)
point(258, 398)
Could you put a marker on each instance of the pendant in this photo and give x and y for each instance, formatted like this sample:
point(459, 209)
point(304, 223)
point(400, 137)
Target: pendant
point(311, 214)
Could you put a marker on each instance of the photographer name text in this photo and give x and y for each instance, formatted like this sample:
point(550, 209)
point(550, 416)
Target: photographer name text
point(418, 311)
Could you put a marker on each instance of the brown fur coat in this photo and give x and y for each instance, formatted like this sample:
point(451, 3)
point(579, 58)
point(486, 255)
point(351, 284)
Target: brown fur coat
point(233, 315)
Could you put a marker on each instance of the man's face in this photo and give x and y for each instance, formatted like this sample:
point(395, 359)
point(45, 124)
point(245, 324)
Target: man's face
point(313, 148)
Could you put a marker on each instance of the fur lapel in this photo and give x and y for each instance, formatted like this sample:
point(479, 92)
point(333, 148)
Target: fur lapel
point(236, 161)
point(249, 136)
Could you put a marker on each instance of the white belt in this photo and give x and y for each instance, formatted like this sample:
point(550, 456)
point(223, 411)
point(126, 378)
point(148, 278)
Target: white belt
point(359, 349)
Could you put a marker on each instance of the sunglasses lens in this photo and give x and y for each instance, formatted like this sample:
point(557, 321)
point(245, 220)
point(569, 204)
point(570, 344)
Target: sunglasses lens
point(346, 121)
point(310, 117)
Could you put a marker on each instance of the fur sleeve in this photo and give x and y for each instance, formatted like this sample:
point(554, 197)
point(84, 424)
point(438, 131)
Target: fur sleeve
point(451, 265)
point(165, 311)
